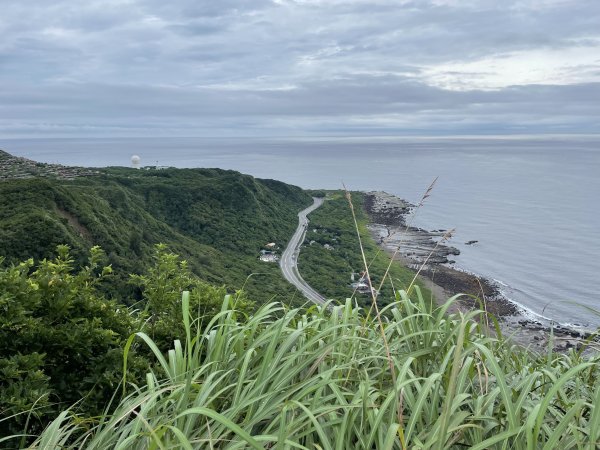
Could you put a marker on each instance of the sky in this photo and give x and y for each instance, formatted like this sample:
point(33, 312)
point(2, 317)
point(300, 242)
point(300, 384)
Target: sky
point(97, 68)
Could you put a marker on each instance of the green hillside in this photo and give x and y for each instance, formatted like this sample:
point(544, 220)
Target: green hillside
point(215, 219)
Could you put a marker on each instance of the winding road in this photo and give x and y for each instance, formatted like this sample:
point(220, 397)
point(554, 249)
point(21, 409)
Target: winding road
point(289, 258)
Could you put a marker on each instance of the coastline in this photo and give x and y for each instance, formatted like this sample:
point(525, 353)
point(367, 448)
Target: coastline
point(416, 248)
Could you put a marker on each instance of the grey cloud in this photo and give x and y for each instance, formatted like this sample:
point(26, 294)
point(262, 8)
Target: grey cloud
point(248, 65)
point(381, 102)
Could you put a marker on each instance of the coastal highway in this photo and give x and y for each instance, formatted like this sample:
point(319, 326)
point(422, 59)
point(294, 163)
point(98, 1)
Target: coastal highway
point(289, 258)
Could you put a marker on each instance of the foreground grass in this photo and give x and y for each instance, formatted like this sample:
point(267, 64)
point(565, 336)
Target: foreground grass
point(320, 379)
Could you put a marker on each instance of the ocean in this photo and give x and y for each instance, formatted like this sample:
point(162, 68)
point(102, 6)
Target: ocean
point(530, 202)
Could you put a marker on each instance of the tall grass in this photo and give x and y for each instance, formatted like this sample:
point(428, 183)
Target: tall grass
point(319, 378)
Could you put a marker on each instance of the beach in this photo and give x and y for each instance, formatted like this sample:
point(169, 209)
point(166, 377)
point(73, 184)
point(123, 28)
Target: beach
point(429, 252)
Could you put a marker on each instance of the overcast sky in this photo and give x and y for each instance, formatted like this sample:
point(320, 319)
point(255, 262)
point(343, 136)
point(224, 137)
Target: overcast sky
point(298, 67)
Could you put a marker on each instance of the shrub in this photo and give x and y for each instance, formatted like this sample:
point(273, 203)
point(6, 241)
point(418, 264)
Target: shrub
point(60, 341)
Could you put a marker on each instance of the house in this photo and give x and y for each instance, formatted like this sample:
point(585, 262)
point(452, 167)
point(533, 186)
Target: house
point(269, 257)
point(361, 287)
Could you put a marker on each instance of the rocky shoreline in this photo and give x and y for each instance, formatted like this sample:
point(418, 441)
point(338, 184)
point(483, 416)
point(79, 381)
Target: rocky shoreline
point(429, 250)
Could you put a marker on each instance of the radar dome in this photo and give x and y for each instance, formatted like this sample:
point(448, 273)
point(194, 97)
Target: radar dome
point(135, 161)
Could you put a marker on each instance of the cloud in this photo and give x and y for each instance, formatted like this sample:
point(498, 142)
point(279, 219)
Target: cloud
point(384, 104)
point(298, 66)
point(571, 65)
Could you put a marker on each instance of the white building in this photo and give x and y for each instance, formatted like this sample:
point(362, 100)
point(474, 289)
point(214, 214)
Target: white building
point(269, 257)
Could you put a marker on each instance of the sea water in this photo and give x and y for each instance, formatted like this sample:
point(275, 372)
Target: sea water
point(531, 203)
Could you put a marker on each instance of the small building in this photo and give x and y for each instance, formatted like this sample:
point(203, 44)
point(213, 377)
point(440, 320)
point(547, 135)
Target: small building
point(361, 287)
point(269, 257)
point(270, 245)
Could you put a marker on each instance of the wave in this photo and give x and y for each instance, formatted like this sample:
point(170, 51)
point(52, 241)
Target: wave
point(527, 313)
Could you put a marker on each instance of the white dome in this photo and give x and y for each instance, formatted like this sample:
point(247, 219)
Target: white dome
point(135, 161)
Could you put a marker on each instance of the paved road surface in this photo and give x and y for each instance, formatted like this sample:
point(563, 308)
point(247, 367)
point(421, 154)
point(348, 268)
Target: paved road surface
point(289, 257)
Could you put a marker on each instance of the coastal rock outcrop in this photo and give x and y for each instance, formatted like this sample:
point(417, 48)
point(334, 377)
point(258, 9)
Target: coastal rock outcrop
point(389, 228)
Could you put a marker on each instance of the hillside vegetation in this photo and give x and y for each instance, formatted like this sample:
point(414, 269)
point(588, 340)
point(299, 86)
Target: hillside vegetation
point(62, 339)
point(331, 253)
point(217, 220)
point(148, 341)
point(333, 379)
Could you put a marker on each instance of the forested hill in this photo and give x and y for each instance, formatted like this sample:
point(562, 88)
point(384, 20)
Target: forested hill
point(216, 219)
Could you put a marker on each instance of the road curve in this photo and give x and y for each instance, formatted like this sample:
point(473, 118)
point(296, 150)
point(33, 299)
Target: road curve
point(289, 258)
